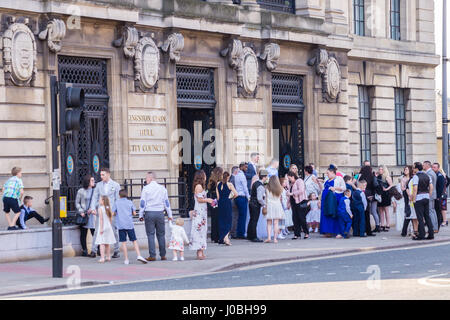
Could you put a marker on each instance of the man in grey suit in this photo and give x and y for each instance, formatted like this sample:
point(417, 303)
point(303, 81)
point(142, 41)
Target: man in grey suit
point(107, 187)
point(427, 167)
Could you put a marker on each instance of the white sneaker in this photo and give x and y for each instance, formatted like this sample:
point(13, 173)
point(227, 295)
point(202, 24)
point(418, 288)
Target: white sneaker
point(281, 237)
point(141, 259)
point(181, 258)
point(175, 259)
point(126, 262)
point(317, 230)
point(310, 229)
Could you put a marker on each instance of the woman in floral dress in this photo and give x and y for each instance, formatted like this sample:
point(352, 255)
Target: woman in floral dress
point(199, 215)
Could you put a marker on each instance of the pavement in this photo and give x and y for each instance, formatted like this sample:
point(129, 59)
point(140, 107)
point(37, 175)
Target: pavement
point(408, 274)
point(34, 276)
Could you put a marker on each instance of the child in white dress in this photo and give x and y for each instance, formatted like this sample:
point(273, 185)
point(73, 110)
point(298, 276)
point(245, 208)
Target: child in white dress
point(288, 222)
point(275, 210)
point(178, 238)
point(105, 235)
point(313, 217)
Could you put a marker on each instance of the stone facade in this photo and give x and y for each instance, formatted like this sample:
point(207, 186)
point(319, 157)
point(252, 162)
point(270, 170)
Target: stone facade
point(143, 41)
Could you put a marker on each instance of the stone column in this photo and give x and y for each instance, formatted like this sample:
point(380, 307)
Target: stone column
point(336, 11)
point(310, 9)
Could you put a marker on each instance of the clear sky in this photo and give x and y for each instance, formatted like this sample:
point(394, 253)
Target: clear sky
point(438, 27)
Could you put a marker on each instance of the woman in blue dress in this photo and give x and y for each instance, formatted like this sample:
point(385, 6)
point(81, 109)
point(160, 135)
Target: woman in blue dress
point(329, 226)
point(224, 188)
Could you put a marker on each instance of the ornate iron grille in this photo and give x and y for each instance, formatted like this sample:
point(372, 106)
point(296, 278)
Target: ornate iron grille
point(287, 91)
point(278, 5)
point(88, 147)
point(195, 86)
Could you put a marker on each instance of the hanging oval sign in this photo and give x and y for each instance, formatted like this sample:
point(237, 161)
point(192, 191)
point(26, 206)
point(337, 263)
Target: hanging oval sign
point(96, 164)
point(198, 162)
point(287, 161)
point(69, 164)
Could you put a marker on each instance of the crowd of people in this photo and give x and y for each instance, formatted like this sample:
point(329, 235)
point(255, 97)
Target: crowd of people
point(251, 202)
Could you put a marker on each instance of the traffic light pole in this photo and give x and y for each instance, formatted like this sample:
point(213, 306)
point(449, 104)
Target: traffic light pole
point(57, 246)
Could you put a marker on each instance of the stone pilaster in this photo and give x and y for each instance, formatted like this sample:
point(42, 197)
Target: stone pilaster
point(425, 21)
point(310, 9)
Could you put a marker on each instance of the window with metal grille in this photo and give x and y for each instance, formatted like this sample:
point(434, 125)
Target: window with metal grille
point(395, 19)
point(278, 5)
point(364, 123)
point(195, 85)
point(358, 17)
point(400, 126)
point(287, 91)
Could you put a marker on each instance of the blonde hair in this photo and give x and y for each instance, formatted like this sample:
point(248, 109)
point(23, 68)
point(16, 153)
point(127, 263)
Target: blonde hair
point(179, 222)
point(385, 172)
point(274, 186)
point(107, 205)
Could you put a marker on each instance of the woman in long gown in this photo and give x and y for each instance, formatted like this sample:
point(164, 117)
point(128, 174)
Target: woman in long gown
point(215, 177)
point(224, 188)
point(199, 215)
point(330, 225)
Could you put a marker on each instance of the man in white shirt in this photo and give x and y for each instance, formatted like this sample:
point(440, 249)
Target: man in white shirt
point(154, 200)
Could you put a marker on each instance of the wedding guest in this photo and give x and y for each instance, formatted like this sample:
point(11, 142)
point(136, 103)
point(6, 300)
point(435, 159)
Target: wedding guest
point(257, 201)
point(275, 211)
point(213, 212)
point(83, 202)
point(333, 191)
point(199, 215)
point(299, 206)
point(241, 200)
point(252, 169)
point(224, 191)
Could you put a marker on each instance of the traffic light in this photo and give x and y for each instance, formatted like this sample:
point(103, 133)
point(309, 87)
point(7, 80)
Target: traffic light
point(71, 102)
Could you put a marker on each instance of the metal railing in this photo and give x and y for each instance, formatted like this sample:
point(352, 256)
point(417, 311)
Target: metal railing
point(134, 187)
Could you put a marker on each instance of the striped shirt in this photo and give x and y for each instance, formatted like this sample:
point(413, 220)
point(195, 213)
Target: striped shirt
point(12, 187)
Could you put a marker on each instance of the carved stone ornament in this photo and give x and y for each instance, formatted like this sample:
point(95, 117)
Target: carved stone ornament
point(174, 44)
point(245, 62)
point(128, 40)
point(146, 63)
point(54, 33)
point(328, 68)
point(19, 54)
point(271, 54)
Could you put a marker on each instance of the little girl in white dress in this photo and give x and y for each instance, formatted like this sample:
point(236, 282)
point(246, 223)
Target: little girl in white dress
point(178, 238)
point(313, 217)
point(105, 233)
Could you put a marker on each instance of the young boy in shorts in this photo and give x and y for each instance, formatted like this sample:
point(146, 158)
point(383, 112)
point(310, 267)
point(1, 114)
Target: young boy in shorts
point(124, 210)
point(12, 193)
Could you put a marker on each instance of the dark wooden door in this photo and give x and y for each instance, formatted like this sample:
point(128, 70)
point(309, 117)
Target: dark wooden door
point(290, 140)
point(196, 122)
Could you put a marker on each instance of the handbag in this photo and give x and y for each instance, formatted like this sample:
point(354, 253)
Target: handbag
point(82, 221)
point(304, 205)
point(378, 197)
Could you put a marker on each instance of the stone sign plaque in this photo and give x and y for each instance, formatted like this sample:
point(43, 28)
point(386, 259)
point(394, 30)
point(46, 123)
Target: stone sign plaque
point(146, 63)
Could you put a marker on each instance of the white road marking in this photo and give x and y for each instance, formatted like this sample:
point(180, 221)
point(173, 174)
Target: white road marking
point(268, 275)
point(438, 264)
point(407, 264)
point(299, 274)
point(395, 271)
point(331, 274)
point(236, 277)
point(431, 271)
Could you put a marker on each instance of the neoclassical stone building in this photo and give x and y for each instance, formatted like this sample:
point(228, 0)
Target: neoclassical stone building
point(323, 81)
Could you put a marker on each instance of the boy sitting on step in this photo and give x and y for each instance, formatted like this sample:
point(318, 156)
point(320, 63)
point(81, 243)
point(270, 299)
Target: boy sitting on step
point(27, 213)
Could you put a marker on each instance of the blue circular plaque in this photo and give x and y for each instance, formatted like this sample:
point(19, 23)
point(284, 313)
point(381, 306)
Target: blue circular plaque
point(96, 163)
point(198, 162)
point(69, 164)
point(287, 161)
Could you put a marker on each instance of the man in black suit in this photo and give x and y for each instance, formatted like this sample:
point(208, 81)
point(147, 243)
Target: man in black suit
point(251, 169)
point(440, 186)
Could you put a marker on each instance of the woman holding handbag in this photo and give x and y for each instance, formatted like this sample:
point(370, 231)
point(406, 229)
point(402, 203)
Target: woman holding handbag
point(85, 219)
point(225, 193)
point(299, 205)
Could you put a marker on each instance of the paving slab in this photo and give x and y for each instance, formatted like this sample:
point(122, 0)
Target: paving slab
point(29, 276)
